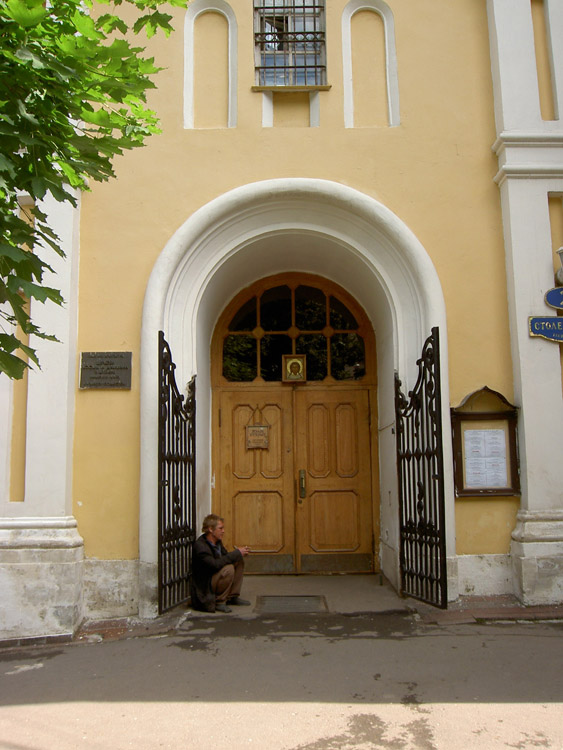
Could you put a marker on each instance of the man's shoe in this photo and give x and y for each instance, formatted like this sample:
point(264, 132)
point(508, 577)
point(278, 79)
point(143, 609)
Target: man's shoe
point(238, 602)
point(222, 607)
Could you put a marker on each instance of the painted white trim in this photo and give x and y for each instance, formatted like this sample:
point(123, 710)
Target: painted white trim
point(314, 109)
point(51, 390)
point(391, 73)
point(195, 9)
point(7, 406)
point(554, 26)
point(267, 109)
point(6, 410)
point(514, 64)
point(273, 226)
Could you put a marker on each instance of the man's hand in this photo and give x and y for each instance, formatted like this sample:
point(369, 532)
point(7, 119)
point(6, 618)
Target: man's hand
point(244, 550)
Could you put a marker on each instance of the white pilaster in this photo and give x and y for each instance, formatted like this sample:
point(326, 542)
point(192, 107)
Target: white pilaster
point(40, 549)
point(530, 152)
point(6, 405)
point(515, 78)
point(536, 362)
point(554, 23)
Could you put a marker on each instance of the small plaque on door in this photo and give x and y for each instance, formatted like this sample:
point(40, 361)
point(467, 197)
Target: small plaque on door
point(257, 436)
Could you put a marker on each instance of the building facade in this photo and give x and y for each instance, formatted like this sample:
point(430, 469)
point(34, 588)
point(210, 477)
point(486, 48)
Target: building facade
point(333, 181)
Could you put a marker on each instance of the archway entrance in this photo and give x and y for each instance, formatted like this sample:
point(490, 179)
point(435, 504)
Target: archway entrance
point(294, 398)
point(252, 232)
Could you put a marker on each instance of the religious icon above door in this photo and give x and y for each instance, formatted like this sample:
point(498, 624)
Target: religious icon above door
point(294, 368)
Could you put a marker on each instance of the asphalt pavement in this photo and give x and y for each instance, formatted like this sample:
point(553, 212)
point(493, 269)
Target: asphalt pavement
point(388, 674)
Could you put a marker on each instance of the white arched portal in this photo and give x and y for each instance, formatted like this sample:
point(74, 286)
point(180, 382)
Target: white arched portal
point(265, 228)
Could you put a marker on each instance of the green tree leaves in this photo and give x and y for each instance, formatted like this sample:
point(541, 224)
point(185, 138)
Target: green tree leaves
point(72, 97)
point(26, 14)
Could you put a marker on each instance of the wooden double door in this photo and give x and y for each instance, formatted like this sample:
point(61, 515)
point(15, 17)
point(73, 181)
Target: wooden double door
point(297, 486)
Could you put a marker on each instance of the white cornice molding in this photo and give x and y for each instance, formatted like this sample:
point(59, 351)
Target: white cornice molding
point(539, 526)
point(529, 155)
point(529, 172)
point(40, 533)
point(16, 524)
point(527, 139)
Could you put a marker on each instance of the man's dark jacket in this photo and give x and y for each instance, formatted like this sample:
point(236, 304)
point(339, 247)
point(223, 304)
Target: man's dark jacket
point(204, 566)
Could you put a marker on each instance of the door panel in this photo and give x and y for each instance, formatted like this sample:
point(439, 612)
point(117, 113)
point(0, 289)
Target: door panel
point(346, 440)
point(334, 519)
point(317, 445)
point(256, 484)
point(258, 520)
point(303, 504)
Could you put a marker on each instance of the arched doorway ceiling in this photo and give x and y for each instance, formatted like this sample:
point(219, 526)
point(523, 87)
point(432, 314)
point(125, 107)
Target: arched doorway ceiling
point(260, 229)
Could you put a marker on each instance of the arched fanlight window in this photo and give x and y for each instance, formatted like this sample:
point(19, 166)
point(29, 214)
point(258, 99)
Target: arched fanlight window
point(284, 320)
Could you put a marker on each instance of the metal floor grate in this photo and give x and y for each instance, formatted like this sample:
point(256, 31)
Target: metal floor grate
point(288, 604)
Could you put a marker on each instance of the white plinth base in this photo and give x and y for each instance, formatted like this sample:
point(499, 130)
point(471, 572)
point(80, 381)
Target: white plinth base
point(148, 590)
point(40, 577)
point(537, 557)
point(111, 588)
point(484, 575)
point(389, 562)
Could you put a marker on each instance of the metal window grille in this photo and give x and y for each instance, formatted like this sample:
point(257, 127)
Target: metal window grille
point(290, 42)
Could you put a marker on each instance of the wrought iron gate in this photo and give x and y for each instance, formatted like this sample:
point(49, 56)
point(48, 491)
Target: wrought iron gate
point(176, 483)
point(420, 466)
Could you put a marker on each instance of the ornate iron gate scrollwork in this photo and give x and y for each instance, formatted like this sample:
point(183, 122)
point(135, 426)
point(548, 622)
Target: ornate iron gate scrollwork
point(420, 466)
point(176, 483)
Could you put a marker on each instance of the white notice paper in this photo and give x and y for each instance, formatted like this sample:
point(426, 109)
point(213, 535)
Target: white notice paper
point(485, 458)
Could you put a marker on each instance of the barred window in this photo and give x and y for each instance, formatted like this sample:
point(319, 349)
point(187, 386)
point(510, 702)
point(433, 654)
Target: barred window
point(290, 42)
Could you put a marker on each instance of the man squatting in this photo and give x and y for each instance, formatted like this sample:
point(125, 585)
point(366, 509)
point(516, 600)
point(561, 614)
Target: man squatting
point(217, 574)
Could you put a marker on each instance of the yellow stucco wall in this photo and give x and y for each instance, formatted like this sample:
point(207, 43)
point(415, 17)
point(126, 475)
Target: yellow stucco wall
point(435, 171)
point(483, 525)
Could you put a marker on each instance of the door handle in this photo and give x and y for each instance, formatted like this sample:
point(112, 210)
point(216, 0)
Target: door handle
point(302, 486)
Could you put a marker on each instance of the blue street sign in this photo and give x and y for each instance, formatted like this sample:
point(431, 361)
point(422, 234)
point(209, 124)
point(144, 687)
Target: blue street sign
point(554, 298)
point(547, 328)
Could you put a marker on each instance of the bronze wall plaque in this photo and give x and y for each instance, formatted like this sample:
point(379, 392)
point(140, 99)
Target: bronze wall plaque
point(257, 436)
point(105, 370)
